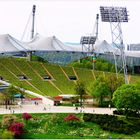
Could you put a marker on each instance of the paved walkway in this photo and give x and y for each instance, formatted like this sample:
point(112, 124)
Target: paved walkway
point(41, 108)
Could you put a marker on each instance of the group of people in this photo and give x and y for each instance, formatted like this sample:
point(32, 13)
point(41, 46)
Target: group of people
point(11, 110)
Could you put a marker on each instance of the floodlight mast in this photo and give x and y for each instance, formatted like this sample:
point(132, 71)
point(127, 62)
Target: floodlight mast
point(33, 21)
point(29, 53)
point(97, 24)
point(88, 42)
point(115, 16)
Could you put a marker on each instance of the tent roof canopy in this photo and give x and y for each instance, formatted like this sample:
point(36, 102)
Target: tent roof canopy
point(10, 44)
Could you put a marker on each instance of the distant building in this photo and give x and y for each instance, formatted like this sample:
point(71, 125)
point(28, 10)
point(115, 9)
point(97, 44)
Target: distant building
point(133, 47)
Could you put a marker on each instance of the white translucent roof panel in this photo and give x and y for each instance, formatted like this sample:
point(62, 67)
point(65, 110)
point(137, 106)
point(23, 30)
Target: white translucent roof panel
point(10, 44)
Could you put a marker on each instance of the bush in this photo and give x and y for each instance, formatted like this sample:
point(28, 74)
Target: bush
point(7, 135)
point(73, 121)
point(7, 120)
point(17, 129)
point(34, 123)
point(129, 113)
point(26, 116)
point(111, 123)
point(71, 117)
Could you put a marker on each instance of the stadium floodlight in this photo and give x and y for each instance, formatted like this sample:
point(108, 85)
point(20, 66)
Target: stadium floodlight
point(88, 40)
point(114, 14)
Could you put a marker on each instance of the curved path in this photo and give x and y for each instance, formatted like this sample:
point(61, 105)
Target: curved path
point(41, 108)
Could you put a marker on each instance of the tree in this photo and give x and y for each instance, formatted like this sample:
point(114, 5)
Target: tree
point(8, 95)
point(80, 90)
point(127, 97)
point(99, 90)
point(113, 82)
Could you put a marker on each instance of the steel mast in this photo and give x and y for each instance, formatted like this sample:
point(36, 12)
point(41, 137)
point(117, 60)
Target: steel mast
point(33, 21)
point(29, 53)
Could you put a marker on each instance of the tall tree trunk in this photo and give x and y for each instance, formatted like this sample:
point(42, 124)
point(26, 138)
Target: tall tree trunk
point(6, 104)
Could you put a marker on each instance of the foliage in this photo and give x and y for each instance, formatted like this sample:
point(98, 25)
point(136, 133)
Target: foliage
point(113, 82)
point(71, 117)
point(7, 120)
point(80, 90)
point(11, 90)
point(84, 63)
point(46, 126)
point(8, 94)
point(129, 113)
point(26, 116)
point(100, 64)
point(73, 121)
point(38, 58)
point(59, 129)
point(17, 129)
point(7, 135)
point(127, 97)
point(100, 90)
point(111, 123)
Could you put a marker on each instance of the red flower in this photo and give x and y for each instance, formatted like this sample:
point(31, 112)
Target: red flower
point(26, 116)
point(17, 128)
point(71, 117)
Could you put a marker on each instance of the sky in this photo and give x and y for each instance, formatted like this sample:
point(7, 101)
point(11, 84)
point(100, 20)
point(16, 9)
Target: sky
point(68, 20)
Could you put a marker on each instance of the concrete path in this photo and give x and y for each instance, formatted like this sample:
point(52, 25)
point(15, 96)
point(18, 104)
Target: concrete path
point(41, 108)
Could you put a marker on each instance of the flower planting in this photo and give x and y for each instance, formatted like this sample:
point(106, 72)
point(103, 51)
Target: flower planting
point(26, 116)
point(17, 129)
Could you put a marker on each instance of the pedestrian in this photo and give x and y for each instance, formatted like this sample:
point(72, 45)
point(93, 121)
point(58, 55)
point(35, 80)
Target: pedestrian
point(109, 106)
point(13, 111)
point(76, 108)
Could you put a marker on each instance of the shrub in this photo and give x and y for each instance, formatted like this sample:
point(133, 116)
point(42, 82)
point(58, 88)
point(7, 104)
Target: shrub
point(34, 123)
point(73, 121)
point(26, 116)
point(7, 135)
point(7, 120)
point(129, 113)
point(17, 129)
point(71, 117)
point(112, 123)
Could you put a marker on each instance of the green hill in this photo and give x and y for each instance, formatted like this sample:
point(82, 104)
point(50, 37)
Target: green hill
point(11, 69)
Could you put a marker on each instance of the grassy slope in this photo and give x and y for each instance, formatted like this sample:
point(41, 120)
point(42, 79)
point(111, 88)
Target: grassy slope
point(8, 64)
point(11, 68)
point(61, 80)
point(85, 76)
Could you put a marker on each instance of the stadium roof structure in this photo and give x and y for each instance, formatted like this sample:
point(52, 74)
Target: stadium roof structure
point(40, 43)
point(9, 44)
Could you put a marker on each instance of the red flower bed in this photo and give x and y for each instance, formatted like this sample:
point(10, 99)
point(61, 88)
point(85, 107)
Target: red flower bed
point(17, 128)
point(71, 117)
point(26, 116)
